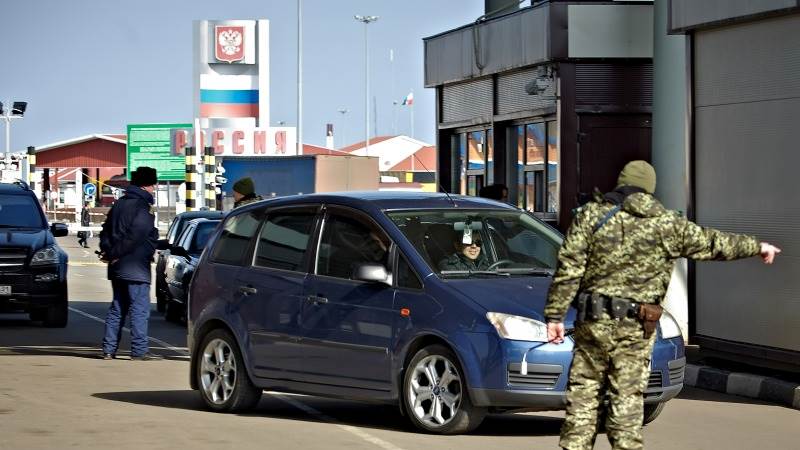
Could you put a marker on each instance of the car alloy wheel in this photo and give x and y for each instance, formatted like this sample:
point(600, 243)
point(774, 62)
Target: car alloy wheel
point(435, 391)
point(218, 371)
point(435, 394)
point(221, 374)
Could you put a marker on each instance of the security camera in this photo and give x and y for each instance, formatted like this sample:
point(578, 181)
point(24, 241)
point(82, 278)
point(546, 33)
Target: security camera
point(537, 86)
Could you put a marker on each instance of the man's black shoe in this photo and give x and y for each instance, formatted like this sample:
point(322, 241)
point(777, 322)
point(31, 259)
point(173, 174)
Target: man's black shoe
point(108, 356)
point(146, 357)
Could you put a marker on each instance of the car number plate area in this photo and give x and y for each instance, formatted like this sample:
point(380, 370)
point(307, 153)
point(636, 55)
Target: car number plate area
point(5, 290)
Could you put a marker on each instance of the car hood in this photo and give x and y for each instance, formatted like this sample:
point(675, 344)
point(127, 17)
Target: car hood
point(24, 237)
point(522, 296)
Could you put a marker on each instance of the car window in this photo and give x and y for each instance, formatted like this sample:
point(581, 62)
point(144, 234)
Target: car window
point(20, 211)
point(465, 241)
point(172, 233)
point(406, 278)
point(349, 239)
point(283, 240)
point(202, 232)
point(184, 240)
point(234, 241)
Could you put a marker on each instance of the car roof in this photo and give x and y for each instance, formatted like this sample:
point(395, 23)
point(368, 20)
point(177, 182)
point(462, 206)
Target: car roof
point(392, 200)
point(204, 219)
point(14, 188)
point(189, 215)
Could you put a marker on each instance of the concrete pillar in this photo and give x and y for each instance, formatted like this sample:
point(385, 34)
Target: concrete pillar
point(670, 140)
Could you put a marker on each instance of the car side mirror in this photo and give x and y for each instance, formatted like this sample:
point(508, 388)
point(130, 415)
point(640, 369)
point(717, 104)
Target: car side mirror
point(177, 250)
point(371, 272)
point(59, 229)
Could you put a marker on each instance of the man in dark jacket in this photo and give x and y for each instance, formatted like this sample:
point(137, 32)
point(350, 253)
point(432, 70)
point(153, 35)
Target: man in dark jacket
point(468, 257)
point(128, 242)
point(83, 235)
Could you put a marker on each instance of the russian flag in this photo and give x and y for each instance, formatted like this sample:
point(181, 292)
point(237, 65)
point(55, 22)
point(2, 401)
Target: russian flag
point(228, 96)
point(409, 99)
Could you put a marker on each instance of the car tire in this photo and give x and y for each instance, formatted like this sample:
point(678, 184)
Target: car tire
point(56, 315)
point(161, 302)
point(173, 311)
point(221, 375)
point(652, 411)
point(449, 396)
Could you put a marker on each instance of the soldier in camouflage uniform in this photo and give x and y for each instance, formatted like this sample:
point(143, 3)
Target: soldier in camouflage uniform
point(244, 192)
point(630, 256)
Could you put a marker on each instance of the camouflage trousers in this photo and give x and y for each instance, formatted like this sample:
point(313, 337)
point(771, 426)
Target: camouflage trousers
point(611, 359)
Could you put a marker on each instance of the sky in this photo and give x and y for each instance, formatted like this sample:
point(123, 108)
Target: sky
point(94, 66)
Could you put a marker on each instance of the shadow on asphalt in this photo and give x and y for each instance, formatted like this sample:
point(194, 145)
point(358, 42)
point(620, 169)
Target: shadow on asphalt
point(365, 415)
point(703, 395)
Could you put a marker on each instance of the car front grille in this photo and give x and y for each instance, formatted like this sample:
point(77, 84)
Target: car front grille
point(676, 371)
point(539, 376)
point(655, 380)
point(12, 259)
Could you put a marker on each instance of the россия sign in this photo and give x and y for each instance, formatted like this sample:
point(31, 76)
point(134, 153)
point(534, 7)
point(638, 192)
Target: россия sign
point(149, 145)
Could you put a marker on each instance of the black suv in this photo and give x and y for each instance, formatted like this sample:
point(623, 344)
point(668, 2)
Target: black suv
point(33, 268)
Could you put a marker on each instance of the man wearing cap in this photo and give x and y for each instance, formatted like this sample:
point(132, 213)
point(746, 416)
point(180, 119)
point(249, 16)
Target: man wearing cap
point(614, 267)
point(244, 192)
point(127, 242)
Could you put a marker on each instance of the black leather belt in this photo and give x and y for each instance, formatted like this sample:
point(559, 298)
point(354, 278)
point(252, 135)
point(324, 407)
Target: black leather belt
point(591, 306)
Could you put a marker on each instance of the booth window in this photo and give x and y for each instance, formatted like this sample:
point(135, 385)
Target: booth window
point(475, 161)
point(537, 167)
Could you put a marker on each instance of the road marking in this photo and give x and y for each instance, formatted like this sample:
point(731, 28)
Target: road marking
point(349, 428)
point(82, 264)
point(156, 340)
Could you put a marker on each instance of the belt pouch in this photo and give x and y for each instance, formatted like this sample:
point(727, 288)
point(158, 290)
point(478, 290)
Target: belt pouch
point(619, 308)
point(597, 306)
point(649, 315)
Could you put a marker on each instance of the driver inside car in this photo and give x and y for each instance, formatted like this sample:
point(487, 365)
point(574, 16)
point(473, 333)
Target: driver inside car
point(466, 257)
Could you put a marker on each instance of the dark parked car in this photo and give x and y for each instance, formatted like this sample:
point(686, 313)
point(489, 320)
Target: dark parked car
point(175, 229)
point(341, 295)
point(33, 268)
point(181, 263)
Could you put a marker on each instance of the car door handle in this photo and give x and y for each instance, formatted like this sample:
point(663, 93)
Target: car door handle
point(248, 290)
point(315, 299)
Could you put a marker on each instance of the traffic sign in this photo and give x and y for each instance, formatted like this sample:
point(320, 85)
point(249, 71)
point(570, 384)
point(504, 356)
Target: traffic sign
point(89, 189)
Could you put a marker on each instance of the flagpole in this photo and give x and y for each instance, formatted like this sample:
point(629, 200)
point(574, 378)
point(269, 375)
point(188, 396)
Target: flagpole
point(412, 114)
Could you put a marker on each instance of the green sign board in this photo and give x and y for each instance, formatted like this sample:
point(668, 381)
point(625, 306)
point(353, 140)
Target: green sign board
point(149, 145)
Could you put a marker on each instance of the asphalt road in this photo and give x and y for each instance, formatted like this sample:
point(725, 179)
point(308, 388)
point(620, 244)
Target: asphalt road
point(57, 394)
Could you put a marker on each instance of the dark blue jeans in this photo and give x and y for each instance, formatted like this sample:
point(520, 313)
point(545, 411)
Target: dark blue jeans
point(130, 297)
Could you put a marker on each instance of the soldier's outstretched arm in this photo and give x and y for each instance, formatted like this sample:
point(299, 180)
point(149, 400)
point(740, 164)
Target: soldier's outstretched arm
point(571, 266)
point(696, 242)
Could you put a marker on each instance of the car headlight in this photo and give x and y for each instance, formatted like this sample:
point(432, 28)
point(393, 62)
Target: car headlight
point(669, 326)
point(45, 256)
point(518, 328)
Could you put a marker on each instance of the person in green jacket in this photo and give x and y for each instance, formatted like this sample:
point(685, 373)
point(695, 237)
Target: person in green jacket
point(614, 266)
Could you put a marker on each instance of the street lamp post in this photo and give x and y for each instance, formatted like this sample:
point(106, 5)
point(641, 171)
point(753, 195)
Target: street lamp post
point(367, 20)
point(342, 111)
point(16, 111)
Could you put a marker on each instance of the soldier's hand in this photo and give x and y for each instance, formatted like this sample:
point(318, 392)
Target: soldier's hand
point(768, 252)
point(555, 332)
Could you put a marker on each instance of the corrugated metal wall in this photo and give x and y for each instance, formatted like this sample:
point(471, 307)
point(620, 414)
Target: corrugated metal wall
point(747, 110)
point(630, 85)
point(511, 95)
point(465, 101)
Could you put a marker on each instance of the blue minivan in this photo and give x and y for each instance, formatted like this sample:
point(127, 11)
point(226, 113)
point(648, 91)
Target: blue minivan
point(372, 296)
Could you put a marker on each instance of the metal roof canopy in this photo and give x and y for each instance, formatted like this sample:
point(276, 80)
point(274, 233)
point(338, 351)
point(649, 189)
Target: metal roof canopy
point(93, 150)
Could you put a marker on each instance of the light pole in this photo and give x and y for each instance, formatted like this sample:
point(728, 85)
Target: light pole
point(367, 20)
point(342, 111)
point(16, 111)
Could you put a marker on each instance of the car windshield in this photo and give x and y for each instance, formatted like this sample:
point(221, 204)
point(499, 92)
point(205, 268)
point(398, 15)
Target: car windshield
point(201, 235)
point(20, 211)
point(480, 242)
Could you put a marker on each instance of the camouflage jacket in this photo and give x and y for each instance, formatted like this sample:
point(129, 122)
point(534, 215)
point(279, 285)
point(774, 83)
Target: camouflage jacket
point(248, 199)
point(633, 254)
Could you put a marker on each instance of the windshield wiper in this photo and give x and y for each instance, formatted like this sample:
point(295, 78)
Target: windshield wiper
point(538, 271)
point(469, 273)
